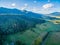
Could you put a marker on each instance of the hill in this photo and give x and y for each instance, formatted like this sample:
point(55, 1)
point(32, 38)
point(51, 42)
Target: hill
point(54, 14)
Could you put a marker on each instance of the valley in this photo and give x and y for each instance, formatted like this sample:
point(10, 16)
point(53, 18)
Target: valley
point(20, 28)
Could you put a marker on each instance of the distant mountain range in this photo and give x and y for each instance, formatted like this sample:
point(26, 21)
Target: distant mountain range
point(7, 11)
point(4, 11)
point(55, 14)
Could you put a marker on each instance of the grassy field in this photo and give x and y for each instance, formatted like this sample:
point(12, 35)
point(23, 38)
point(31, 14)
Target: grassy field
point(28, 37)
point(53, 39)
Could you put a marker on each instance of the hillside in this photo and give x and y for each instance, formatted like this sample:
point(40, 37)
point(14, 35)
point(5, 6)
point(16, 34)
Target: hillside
point(19, 27)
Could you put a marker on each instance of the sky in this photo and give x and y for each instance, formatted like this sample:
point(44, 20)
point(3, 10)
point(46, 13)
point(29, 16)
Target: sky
point(37, 6)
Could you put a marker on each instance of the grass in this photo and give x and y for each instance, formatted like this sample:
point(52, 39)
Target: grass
point(27, 37)
point(53, 39)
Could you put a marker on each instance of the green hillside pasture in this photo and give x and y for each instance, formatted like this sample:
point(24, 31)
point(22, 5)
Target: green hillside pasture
point(48, 26)
point(53, 39)
point(27, 37)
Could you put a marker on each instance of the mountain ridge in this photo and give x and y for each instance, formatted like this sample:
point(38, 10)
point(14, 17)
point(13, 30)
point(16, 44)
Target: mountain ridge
point(4, 10)
point(55, 14)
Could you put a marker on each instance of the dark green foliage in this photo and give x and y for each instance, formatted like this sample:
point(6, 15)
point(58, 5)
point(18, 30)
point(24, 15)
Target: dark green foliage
point(10, 24)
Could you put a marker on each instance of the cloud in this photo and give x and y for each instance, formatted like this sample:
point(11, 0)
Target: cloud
point(25, 6)
point(47, 6)
point(13, 4)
